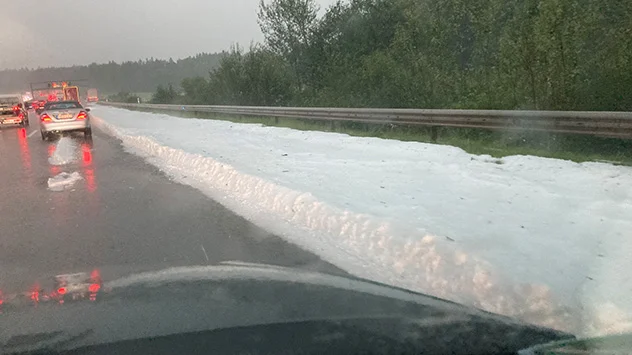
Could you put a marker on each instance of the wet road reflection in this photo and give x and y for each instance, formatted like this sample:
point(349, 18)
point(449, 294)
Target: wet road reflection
point(70, 155)
point(25, 152)
point(90, 176)
point(123, 215)
point(54, 169)
point(88, 168)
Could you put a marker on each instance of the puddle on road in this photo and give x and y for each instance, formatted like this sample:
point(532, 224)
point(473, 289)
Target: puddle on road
point(64, 152)
point(64, 155)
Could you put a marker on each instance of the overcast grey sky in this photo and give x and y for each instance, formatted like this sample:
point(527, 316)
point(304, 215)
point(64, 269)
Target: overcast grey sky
point(64, 32)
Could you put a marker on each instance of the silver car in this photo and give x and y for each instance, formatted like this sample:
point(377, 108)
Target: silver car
point(64, 116)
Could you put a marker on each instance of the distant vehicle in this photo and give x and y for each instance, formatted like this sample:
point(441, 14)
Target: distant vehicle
point(38, 106)
point(71, 93)
point(28, 104)
point(12, 112)
point(93, 95)
point(64, 116)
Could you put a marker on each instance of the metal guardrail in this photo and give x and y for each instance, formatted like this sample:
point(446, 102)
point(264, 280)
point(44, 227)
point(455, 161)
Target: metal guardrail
point(604, 124)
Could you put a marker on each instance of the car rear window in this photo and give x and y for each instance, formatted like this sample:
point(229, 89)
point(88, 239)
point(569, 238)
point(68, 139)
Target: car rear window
point(62, 106)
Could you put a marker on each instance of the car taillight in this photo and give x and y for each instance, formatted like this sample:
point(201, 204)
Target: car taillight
point(94, 288)
point(45, 118)
point(82, 115)
point(61, 290)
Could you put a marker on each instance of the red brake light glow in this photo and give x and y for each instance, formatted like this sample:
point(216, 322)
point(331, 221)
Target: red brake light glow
point(46, 118)
point(61, 290)
point(94, 288)
point(82, 115)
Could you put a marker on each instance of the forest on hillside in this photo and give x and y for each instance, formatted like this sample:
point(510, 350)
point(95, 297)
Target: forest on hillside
point(479, 54)
point(132, 76)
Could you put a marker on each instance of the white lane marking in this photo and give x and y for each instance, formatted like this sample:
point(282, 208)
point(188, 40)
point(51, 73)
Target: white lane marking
point(204, 250)
point(32, 134)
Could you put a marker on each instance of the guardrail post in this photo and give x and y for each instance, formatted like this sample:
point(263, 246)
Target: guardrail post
point(434, 133)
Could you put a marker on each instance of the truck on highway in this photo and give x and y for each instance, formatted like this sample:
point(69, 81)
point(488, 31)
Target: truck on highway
point(71, 93)
point(92, 96)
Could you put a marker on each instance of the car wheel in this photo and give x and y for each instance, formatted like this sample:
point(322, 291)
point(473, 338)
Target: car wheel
point(44, 135)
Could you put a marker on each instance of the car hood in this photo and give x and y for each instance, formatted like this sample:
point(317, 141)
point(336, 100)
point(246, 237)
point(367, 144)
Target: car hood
point(231, 295)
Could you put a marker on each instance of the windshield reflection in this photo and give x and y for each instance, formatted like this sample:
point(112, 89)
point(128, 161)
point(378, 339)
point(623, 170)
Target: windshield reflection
point(63, 288)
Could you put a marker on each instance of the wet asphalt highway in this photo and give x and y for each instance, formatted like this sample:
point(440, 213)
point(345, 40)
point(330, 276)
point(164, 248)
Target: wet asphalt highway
point(123, 217)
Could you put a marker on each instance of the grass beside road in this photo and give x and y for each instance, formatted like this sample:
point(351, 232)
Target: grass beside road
point(498, 144)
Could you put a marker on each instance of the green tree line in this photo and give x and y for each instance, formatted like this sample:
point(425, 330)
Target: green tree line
point(131, 76)
point(479, 54)
point(125, 97)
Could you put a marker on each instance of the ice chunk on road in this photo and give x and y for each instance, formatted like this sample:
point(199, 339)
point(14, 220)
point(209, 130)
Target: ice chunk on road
point(63, 181)
point(65, 152)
